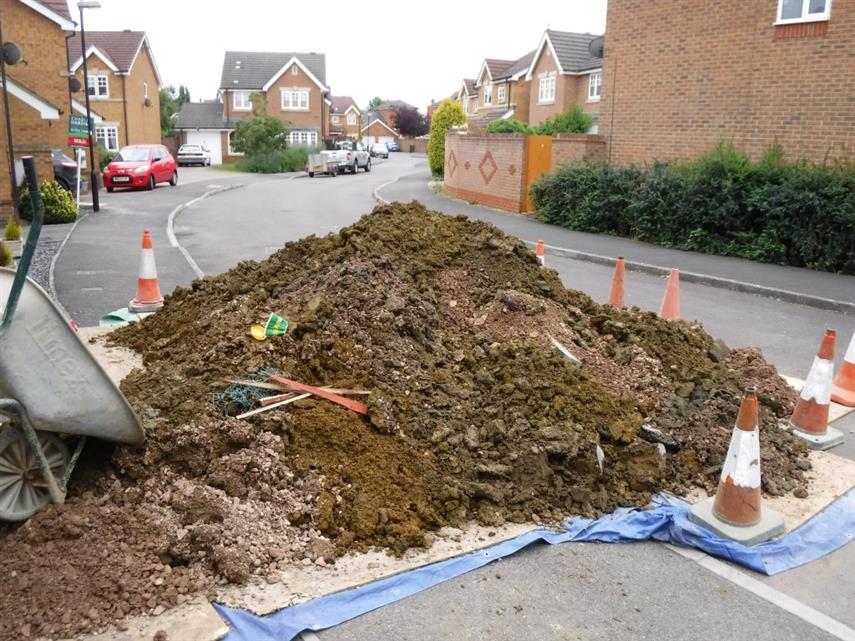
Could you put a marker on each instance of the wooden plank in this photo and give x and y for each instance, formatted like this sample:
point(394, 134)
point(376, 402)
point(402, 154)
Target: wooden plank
point(278, 387)
point(272, 407)
point(356, 406)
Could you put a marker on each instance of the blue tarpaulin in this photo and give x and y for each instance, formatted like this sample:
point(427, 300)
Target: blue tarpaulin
point(666, 520)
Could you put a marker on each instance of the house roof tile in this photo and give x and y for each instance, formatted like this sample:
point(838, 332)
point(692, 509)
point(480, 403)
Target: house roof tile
point(519, 65)
point(470, 86)
point(498, 67)
point(340, 104)
point(120, 46)
point(57, 6)
point(393, 104)
point(202, 115)
point(572, 50)
point(253, 69)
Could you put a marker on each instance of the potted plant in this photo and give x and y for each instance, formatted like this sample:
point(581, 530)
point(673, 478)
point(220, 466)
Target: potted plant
point(12, 238)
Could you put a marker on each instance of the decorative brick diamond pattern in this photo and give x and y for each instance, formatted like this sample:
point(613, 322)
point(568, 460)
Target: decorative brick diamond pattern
point(512, 170)
point(487, 167)
point(452, 163)
point(466, 165)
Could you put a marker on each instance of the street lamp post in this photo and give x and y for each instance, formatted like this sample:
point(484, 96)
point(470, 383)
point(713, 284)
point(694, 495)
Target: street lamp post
point(89, 4)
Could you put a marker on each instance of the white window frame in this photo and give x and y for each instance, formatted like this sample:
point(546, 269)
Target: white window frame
point(295, 96)
point(351, 119)
point(305, 138)
point(96, 79)
point(500, 94)
point(245, 104)
point(805, 17)
point(595, 86)
point(104, 139)
point(335, 120)
point(145, 89)
point(231, 150)
point(466, 105)
point(546, 90)
point(488, 94)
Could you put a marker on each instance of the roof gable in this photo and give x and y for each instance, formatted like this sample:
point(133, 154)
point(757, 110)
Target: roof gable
point(343, 104)
point(121, 48)
point(294, 61)
point(571, 52)
point(254, 69)
point(54, 10)
point(378, 119)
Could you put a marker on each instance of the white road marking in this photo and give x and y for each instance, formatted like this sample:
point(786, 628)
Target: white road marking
point(768, 593)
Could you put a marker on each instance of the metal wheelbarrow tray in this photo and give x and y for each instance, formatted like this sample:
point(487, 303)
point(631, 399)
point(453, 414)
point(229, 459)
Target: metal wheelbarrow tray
point(50, 385)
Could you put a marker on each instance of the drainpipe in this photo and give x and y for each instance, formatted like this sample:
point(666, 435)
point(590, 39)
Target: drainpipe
point(125, 108)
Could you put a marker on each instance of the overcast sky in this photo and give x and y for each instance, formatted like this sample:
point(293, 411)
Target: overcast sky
point(412, 51)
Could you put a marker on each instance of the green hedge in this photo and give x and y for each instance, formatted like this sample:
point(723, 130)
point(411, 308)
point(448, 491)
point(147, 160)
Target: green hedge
point(274, 162)
point(799, 214)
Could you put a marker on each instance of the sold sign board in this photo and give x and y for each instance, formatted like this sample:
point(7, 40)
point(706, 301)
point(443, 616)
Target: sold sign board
point(78, 131)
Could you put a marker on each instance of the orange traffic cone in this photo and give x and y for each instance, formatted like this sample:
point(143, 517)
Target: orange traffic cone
point(735, 511)
point(843, 388)
point(616, 292)
point(148, 298)
point(541, 253)
point(810, 418)
point(670, 307)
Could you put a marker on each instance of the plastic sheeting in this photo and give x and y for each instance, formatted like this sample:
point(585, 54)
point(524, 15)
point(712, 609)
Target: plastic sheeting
point(666, 520)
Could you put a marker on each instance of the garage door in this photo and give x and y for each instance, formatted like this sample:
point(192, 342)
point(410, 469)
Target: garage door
point(384, 139)
point(211, 140)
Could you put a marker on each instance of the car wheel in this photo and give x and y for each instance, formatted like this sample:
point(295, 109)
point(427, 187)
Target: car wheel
point(174, 180)
point(150, 185)
point(109, 190)
point(311, 174)
point(368, 166)
point(208, 162)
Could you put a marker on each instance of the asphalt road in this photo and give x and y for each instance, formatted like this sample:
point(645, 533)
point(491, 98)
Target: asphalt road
point(676, 598)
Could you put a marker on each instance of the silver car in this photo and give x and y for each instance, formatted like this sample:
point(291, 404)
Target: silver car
point(189, 154)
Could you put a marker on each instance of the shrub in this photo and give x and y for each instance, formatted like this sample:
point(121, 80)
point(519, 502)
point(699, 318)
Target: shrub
point(105, 156)
point(12, 231)
point(508, 127)
point(449, 114)
point(260, 135)
point(274, 162)
point(799, 214)
point(573, 121)
point(5, 255)
point(58, 203)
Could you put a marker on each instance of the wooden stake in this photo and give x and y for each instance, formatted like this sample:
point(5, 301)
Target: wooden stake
point(273, 407)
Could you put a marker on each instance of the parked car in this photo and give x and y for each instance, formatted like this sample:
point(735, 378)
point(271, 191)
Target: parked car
point(380, 149)
point(189, 154)
point(348, 156)
point(65, 172)
point(141, 166)
point(393, 146)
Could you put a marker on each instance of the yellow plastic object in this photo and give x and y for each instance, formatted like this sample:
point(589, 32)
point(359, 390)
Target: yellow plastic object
point(257, 332)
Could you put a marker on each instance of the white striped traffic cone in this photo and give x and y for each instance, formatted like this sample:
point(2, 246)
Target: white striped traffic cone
point(735, 511)
point(148, 298)
point(810, 417)
point(541, 253)
point(843, 389)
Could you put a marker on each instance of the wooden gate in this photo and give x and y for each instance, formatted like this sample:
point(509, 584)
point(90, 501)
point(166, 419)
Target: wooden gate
point(538, 161)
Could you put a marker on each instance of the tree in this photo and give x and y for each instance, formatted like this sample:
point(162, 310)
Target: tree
point(375, 102)
point(409, 122)
point(260, 135)
point(449, 114)
point(170, 104)
point(183, 94)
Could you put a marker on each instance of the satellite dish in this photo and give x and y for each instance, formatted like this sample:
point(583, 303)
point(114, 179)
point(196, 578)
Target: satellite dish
point(596, 47)
point(74, 85)
point(11, 53)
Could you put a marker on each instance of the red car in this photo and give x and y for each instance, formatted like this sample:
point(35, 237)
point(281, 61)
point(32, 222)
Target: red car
point(141, 166)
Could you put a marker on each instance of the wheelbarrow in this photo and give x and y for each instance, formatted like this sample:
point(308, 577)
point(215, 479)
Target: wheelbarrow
point(52, 391)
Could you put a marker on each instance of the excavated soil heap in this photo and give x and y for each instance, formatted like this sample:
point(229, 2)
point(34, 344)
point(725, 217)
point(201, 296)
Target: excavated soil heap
point(473, 414)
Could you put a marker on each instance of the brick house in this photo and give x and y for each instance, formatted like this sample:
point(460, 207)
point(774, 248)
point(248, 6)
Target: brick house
point(387, 109)
point(39, 100)
point(291, 87)
point(563, 72)
point(680, 80)
point(345, 118)
point(502, 92)
point(376, 129)
point(124, 86)
point(467, 96)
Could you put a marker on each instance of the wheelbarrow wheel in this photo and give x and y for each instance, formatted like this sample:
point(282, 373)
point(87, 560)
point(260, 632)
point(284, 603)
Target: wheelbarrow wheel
point(23, 491)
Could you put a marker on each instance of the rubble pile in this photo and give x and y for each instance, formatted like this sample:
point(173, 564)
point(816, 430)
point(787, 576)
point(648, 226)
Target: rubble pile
point(473, 414)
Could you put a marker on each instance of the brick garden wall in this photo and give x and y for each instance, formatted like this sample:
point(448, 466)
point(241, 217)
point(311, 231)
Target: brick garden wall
point(486, 169)
point(680, 77)
point(567, 148)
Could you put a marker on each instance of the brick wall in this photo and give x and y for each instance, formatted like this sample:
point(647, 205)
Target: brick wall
point(42, 45)
point(486, 169)
point(679, 80)
point(419, 144)
point(567, 148)
point(143, 121)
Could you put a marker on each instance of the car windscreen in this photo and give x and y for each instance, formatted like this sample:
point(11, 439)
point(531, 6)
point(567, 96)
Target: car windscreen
point(185, 148)
point(132, 154)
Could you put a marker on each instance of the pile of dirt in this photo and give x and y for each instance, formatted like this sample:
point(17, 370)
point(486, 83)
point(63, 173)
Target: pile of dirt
point(473, 414)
